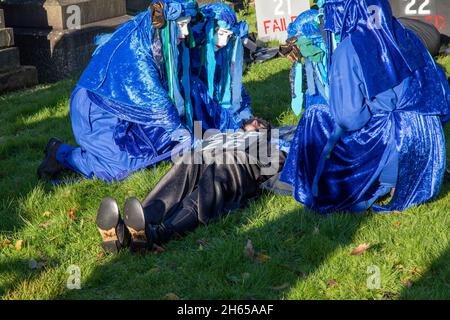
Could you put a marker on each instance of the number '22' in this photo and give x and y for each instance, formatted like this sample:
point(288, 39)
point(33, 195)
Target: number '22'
point(422, 10)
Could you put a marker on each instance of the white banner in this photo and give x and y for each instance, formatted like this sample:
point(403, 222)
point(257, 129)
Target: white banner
point(274, 16)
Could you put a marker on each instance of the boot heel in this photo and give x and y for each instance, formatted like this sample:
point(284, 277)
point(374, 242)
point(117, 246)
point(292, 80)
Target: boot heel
point(135, 222)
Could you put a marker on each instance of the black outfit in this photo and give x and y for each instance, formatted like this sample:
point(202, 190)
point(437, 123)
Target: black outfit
point(427, 33)
point(190, 194)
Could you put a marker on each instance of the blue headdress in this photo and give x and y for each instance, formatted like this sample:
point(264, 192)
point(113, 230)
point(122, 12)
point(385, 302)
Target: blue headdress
point(306, 29)
point(385, 48)
point(127, 67)
point(173, 10)
point(221, 15)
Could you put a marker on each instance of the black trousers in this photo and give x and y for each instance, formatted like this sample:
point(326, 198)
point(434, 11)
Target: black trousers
point(191, 194)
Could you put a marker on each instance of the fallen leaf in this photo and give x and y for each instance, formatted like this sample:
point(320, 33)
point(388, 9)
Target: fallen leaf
point(414, 270)
point(19, 244)
point(262, 258)
point(359, 250)
point(407, 283)
point(249, 250)
point(201, 242)
point(72, 214)
point(397, 224)
point(281, 287)
point(46, 214)
point(6, 242)
point(332, 283)
point(157, 249)
point(171, 296)
point(44, 225)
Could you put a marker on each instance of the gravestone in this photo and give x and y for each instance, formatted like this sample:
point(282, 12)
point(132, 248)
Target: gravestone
point(12, 75)
point(57, 36)
point(435, 12)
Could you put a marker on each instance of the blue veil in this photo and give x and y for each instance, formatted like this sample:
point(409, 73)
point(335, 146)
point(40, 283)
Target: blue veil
point(306, 26)
point(221, 15)
point(129, 71)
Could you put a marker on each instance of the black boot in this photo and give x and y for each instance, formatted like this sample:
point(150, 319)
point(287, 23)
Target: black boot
point(50, 167)
point(134, 219)
point(112, 229)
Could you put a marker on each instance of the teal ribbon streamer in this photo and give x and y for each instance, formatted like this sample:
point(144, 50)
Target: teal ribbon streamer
point(298, 97)
point(210, 57)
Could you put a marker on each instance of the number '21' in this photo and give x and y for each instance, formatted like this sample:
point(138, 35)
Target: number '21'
point(279, 7)
point(422, 10)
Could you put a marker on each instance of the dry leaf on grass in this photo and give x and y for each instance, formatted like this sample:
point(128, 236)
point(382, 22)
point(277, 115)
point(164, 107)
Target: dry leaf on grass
point(19, 244)
point(157, 249)
point(72, 214)
point(46, 214)
point(249, 250)
point(407, 283)
point(414, 270)
point(6, 242)
point(44, 225)
point(359, 250)
point(171, 296)
point(397, 224)
point(332, 283)
point(262, 258)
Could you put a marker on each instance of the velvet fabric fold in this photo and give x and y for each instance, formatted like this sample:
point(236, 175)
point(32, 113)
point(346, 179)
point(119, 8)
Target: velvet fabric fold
point(347, 156)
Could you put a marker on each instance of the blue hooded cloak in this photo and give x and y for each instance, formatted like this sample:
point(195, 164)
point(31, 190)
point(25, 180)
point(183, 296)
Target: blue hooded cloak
point(219, 97)
point(383, 128)
point(132, 97)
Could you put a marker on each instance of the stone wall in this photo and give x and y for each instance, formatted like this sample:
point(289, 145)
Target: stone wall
point(12, 75)
point(49, 39)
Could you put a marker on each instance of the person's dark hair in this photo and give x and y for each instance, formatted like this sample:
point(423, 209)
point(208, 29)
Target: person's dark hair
point(266, 124)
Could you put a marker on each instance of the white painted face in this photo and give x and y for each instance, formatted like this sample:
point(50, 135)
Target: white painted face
point(221, 38)
point(183, 28)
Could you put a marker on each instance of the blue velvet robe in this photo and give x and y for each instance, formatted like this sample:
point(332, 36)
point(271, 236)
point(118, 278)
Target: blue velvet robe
point(122, 116)
point(207, 109)
point(346, 156)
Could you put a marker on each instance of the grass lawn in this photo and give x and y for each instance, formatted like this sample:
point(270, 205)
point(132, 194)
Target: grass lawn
point(301, 255)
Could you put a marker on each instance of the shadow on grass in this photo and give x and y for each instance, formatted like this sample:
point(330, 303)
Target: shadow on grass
point(290, 247)
point(24, 134)
point(18, 271)
point(434, 284)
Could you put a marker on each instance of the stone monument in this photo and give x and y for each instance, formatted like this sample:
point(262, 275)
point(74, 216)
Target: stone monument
point(57, 36)
point(12, 75)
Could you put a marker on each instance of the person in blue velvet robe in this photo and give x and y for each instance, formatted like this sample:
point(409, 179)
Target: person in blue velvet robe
point(383, 129)
point(132, 99)
point(219, 98)
point(307, 49)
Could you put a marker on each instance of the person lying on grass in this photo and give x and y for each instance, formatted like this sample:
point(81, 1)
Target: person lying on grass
point(221, 174)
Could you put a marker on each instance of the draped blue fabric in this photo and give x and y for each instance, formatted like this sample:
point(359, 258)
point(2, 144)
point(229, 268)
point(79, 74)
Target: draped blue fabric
point(385, 47)
point(145, 105)
point(346, 156)
point(219, 98)
point(306, 25)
